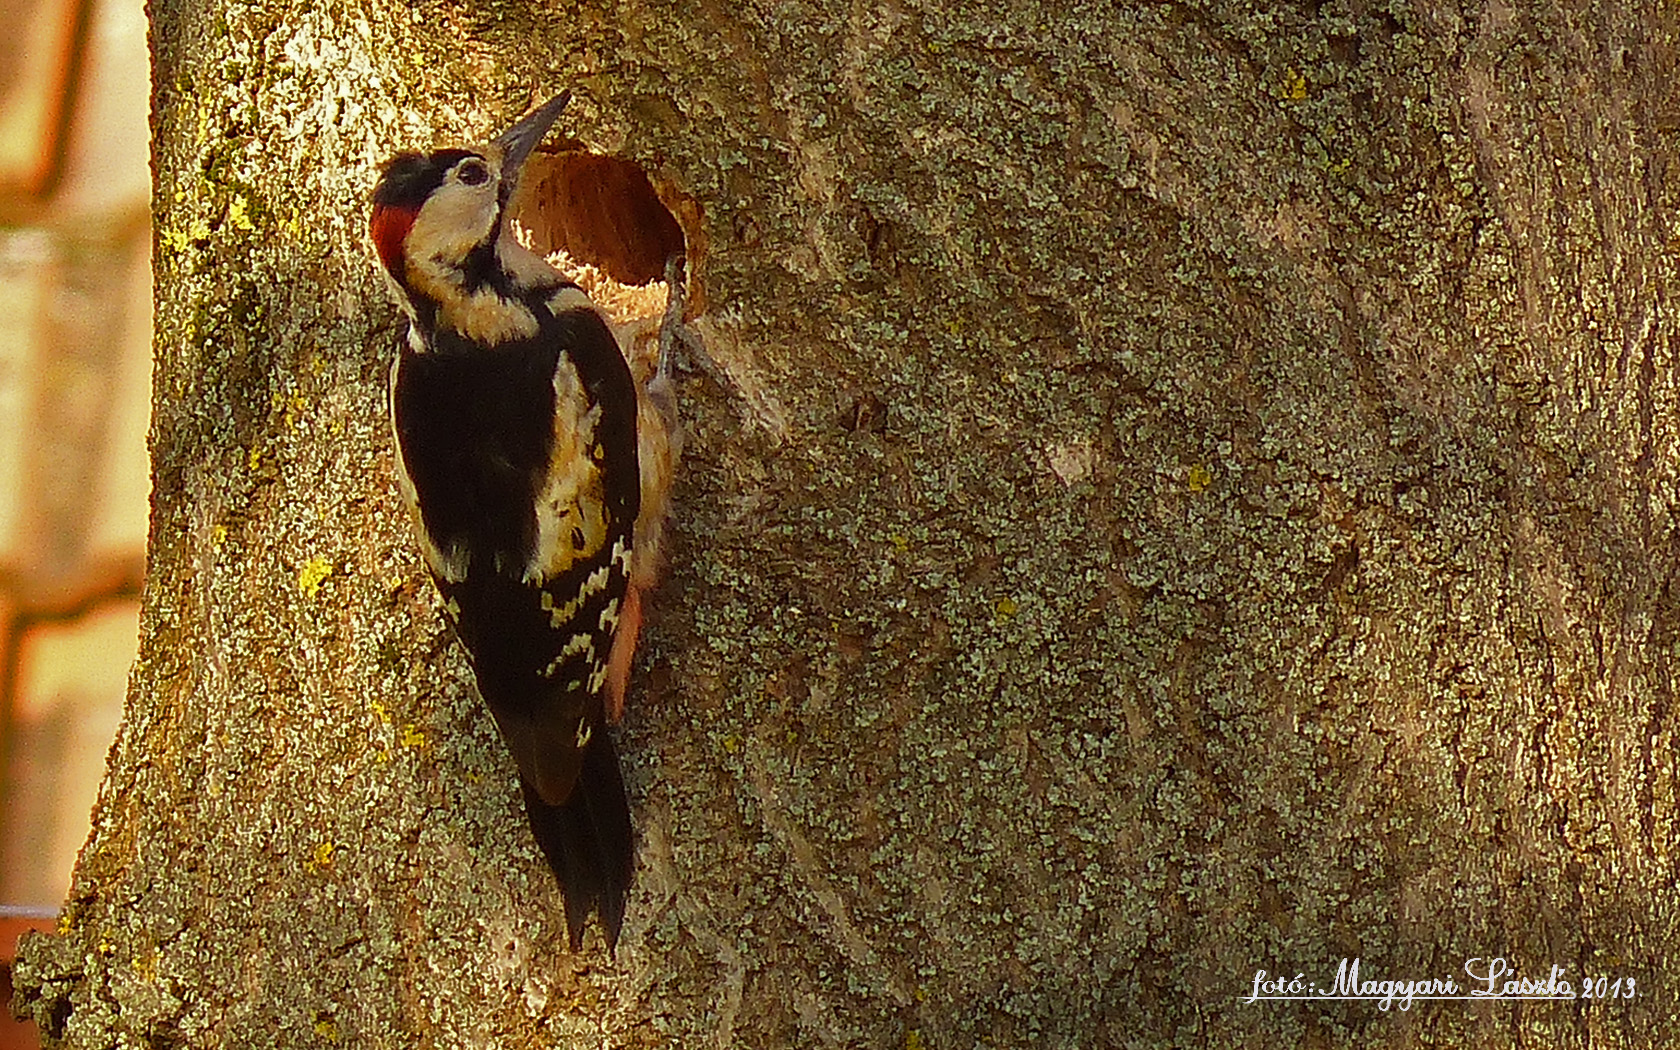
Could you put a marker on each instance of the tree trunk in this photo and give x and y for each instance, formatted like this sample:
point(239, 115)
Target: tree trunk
point(1199, 498)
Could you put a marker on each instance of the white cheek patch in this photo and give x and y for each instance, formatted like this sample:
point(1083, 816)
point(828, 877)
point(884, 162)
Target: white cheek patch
point(455, 220)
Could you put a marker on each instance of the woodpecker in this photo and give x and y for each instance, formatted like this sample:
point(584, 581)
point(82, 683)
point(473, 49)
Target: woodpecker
point(536, 468)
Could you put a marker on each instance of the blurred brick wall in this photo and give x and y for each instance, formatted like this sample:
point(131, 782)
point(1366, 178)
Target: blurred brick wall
point(75, 370)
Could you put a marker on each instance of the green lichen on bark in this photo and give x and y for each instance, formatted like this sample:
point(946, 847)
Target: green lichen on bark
point(1201, 501)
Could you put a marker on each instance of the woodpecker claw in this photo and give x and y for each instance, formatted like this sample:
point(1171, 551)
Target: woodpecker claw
point(674, 333)
point(672, 322)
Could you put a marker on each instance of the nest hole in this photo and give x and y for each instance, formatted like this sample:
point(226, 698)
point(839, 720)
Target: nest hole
point(602, 212)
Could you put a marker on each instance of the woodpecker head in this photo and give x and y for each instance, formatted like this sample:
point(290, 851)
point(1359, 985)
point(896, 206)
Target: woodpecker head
point(437, 216)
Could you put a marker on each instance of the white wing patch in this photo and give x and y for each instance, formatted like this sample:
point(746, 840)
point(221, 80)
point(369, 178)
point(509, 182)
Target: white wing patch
point(577, 644)
point(609, 616)
point(560, 615)
point(598, 677)
point(571, 504)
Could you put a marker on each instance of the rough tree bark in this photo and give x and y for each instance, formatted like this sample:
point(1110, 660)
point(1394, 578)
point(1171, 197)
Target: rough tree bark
point(1202, 500)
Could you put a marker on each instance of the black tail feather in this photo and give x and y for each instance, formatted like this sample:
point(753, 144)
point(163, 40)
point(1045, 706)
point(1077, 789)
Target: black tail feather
point(588, 841)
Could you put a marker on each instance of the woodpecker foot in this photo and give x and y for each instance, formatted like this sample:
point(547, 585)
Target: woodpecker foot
point(676, 335)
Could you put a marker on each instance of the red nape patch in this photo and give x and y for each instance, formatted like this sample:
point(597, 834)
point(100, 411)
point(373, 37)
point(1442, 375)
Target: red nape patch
point(389, 226)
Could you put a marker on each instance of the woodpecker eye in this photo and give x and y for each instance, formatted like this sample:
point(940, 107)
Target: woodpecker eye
point(472, 172)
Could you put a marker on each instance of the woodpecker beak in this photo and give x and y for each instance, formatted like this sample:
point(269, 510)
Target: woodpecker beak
point(518, 141)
